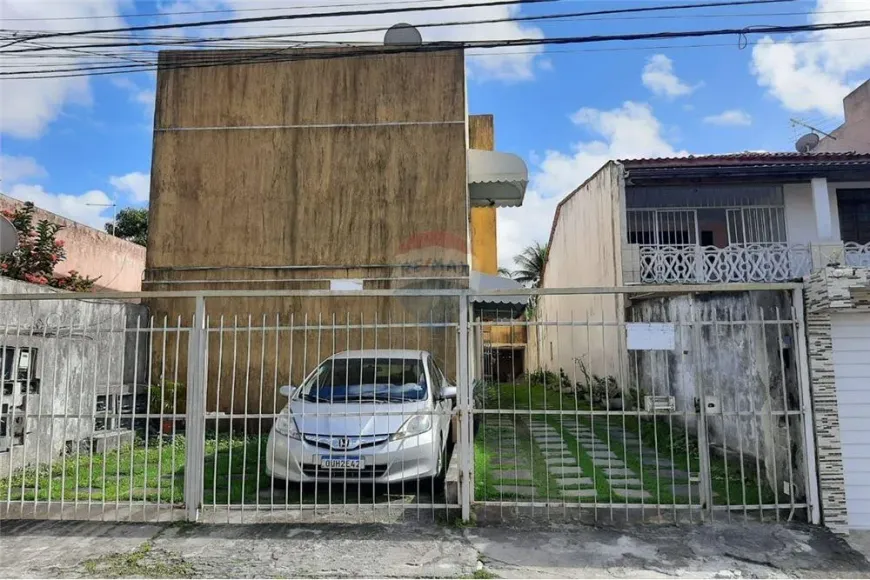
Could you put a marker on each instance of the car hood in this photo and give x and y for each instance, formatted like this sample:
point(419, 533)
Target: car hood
point(353, 419)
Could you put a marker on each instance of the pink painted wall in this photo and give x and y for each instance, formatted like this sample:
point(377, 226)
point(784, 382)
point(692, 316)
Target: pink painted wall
point(118, 263)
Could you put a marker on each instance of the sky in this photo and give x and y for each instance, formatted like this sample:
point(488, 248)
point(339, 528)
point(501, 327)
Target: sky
point(81, 146)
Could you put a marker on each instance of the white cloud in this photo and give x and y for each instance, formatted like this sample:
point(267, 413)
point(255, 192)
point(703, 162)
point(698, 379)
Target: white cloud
point(508, 64)
point(731, 117)
point(28, 106)
point(137, 94)
point(659, 77)
point(87, 208)
point(13, 169)
point(629, 131)
point(816, 75)
point(136, 184)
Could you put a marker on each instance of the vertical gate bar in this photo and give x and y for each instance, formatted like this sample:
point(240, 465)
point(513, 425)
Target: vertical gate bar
point(464, 397)
point(260, 408)
point(75, 439)
point(809, 441)
point(162, 408)
point(245, 411)
point(719, 394)
point(768, 403)
point(705, 486)
point(217, 412)
point(785, 408)
point(195, 417)
point(275, 393)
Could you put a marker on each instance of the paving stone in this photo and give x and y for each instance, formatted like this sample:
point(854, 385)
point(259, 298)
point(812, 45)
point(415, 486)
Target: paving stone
point(632, 493)
point(607, 462)
point(619, 472)
point(625, 482)
point(519, 490)
point(673, 475)
point(523, 474)
point(661, 462)
point(579, 493)
point(554, 447)
point(574, 481)
point(563, 460)
point(601, 453)
point(565, 470)
point(682, 490)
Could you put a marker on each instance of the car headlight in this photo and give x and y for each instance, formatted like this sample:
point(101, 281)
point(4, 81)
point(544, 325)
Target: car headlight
point(286, 425)
point(416, 425)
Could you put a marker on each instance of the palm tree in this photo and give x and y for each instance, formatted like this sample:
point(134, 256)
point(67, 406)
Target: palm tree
point(531, 264)
point(504, 272)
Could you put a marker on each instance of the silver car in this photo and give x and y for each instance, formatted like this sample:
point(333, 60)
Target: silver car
point(378, 416)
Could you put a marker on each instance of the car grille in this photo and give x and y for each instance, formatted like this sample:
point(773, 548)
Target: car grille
point(339, 474)
point(363, 442)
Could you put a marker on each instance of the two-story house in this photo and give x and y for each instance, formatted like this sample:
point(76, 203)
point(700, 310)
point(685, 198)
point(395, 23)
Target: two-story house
point(753, 219)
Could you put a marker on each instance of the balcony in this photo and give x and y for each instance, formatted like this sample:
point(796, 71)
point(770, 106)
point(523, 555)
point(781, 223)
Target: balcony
point(737, 263)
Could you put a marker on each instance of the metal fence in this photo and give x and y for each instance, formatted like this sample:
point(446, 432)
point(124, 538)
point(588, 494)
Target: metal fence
point(234, 406)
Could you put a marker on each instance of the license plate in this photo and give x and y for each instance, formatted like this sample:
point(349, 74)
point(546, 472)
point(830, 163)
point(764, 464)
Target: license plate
point(342, 463)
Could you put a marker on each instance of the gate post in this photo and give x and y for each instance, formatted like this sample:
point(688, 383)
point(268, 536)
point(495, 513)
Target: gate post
point(197, 348)
point(706, 484)
point(464, 397)
point(810, 458)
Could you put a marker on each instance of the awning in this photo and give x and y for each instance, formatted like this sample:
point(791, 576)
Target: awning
point(499, 305)
point(496, 179)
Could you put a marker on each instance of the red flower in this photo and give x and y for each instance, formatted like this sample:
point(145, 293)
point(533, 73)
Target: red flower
point(59, 243)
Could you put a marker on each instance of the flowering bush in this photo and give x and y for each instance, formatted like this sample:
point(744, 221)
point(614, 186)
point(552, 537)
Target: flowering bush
point(38, 252)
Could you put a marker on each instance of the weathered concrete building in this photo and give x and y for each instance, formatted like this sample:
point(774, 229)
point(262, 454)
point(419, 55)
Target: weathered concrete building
point(331, 169)
point(65, 362)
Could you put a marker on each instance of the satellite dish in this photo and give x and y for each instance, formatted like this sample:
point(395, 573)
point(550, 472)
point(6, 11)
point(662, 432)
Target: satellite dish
point(8, 236)
point(807, 143)
point(403, 34)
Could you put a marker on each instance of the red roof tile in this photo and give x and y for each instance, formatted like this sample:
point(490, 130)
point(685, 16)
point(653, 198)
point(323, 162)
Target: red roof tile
point(749, 158)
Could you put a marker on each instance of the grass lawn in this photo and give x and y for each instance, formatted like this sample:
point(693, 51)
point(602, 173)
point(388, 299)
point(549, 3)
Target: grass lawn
point(498, 447)
point(731, 485)
point(234, 474)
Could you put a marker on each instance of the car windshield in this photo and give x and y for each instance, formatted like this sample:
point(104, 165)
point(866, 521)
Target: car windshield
point(367, 379)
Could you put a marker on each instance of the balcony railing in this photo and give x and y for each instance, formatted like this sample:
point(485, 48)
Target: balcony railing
point(690, 264)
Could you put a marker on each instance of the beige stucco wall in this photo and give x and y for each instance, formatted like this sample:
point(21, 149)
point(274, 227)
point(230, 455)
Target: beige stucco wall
point(854, 133)
point(117, 263)
point(584, 253)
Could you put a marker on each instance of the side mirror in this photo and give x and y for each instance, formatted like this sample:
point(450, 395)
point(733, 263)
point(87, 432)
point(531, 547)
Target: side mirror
point(286, 390)
point(448, 392)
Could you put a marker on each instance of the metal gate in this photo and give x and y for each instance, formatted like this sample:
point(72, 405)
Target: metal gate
point(378, 405)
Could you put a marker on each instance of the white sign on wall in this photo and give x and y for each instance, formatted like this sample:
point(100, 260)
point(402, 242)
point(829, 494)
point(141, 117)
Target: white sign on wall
point(650, 336)
point(346, 285)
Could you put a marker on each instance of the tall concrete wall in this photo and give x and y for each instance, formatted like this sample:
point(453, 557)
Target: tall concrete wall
point(737, 354)
point(117, 263)
point(83, 351)
point(854, 133)
point(345, 167)
point(584, 251)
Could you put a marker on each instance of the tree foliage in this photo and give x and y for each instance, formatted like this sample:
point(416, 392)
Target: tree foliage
point(530, 264)
point(130, 224)
point(38, 252)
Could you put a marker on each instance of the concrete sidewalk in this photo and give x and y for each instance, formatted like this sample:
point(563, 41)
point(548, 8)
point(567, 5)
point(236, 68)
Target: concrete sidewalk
point(53, 549)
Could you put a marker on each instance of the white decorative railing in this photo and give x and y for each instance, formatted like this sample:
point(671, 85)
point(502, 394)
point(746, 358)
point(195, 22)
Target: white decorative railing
point(857, 255)
point(688, 264)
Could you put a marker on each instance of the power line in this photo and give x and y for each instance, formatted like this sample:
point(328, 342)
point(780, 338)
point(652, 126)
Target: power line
point(221, 11)
point(253, 19)
point(226, 59)
point(541, 17)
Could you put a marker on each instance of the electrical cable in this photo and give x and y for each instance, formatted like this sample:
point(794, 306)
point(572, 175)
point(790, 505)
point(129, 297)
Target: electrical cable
point(253, 19)
point(530, 18)
point(226, 58)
